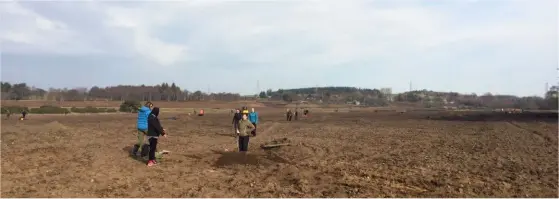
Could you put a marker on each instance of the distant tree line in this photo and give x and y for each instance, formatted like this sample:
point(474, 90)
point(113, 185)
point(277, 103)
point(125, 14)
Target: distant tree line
point(160, 92)
point(426, 98)
point(326, 95)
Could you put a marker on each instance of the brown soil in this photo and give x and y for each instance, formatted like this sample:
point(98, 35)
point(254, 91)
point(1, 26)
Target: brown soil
point(354, 154)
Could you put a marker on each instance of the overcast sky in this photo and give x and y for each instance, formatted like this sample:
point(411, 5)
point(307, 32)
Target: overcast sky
point(498, 46)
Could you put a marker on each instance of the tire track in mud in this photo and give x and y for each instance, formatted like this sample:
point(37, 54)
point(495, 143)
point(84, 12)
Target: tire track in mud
point(547, 139)
point(270, 128)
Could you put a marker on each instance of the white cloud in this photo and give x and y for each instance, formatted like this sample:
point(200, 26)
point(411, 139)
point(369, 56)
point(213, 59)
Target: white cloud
point(21, 25)
point(294, 35)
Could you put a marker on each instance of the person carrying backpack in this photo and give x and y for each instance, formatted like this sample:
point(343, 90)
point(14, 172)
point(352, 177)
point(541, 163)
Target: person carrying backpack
point(142, 126)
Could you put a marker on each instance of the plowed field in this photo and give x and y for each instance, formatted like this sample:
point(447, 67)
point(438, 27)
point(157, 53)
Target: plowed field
point(355, 154)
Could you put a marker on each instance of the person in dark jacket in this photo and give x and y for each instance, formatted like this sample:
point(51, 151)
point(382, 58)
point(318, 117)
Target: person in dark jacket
point(236, 118)
point(154, 131)
point(296, 114)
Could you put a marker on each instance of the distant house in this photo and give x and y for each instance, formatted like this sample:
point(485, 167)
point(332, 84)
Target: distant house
point(354, 102)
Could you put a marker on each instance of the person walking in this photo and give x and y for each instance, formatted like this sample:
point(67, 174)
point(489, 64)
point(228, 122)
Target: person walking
point(253, 118)
point(236, 118)
point(142, 127)
point(23, 114)
point(154, 131)
point(245, 110)
point(289, 115)
point(245, 127)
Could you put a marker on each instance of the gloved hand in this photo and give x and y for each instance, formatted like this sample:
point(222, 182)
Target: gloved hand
point(253, 133)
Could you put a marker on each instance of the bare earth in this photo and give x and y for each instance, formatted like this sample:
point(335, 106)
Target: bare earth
point(355, 154)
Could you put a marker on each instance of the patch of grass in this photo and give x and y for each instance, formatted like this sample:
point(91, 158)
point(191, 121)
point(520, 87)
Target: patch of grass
point(49, 110)
point(14, 109)
point(91, 109)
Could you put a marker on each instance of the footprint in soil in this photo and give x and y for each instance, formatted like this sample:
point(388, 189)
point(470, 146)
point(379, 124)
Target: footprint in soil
point(233, 158)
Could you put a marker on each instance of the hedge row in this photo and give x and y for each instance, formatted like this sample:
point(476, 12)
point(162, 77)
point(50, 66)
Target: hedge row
point(55, 110)
point(91, 109)
point(14, 109)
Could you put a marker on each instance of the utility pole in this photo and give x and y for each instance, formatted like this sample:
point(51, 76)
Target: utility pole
point(258, 87)
point(410, 86)
point(209, 96)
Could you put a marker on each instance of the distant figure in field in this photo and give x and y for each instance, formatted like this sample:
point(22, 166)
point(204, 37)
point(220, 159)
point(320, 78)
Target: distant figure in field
point(236, 118)
point(296, 114)
point(245, 110)
point(306, 112)
point(253, 118)
point(289, 115)
point(23, 114)
point(8, 114)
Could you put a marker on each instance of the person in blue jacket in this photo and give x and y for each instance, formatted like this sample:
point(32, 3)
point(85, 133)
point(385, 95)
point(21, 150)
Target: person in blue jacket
point(142, 126)
point(253, 118)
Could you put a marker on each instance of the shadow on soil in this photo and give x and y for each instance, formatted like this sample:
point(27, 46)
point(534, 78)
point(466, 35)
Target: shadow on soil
point(550, 117)
point(128, 150)
point(228, 158)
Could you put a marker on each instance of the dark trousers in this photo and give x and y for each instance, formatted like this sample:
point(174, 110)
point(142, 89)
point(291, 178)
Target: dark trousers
point(243, 143)
point(235, 126)
point(254, 130)
point(152, 148)
point(289, 117)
